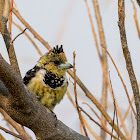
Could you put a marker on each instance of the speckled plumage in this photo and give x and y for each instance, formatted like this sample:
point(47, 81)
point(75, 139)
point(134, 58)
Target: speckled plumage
point(47, 79)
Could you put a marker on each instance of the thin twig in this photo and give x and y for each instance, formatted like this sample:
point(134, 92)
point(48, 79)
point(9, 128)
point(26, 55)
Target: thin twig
point(90, 129)
point(10, 128)
point(135, 18)
point(115, 110)
point(132, 125)
point(15, 6)
point(113, 120)
point(127, 111)
point(121, 120)
point(9, 132)
point(103, 124)
point(18, 128)
point(93, 31)
point(32, 41)
point(81, 129)
point(96, 122)
point(104, 59)
point(75, 91)
point(71, 81)
point(36, 35)
point(10, 18)
point(118, 110)
point(114, 100)
point(117, 124)
point(18, 35)
point(126, 91)
point(88, 126)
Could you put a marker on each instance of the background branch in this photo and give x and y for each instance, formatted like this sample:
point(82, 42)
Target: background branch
point(9, 132)
point(15, 125)
point(10, 18)
point(1, 137)
point(104, 61)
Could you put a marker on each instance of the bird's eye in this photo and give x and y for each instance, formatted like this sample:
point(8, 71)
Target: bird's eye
point(56, 62)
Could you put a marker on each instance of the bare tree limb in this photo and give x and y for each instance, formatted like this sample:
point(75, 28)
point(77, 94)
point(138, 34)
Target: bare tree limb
point(6, 36)
point(129, 66)
point(25, 109)
point(76, 100)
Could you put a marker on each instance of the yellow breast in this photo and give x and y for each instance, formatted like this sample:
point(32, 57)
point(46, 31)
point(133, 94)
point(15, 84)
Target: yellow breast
point(48, 96)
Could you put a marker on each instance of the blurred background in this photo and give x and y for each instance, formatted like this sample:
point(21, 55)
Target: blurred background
point(67, 22)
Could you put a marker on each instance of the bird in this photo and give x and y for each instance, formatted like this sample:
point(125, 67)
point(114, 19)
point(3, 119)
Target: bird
point(47, 79)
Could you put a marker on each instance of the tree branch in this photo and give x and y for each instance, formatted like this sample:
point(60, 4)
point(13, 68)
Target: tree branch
point(129, 66)
point(4, 11)
point(25, 109)
point(9, 132)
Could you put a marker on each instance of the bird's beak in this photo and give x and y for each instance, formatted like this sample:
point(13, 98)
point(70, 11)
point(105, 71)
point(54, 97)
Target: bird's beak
point(65, 66)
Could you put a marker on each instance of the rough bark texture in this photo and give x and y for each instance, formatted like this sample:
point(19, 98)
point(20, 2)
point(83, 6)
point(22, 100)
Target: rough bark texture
point(4, 14)
point(129, 66)
point(25, 109)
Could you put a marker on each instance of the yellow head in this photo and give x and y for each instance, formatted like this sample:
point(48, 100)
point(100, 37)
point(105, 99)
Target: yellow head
point(55, 61)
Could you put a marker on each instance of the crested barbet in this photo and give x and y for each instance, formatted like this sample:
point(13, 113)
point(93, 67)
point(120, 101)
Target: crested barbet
point(47, 79)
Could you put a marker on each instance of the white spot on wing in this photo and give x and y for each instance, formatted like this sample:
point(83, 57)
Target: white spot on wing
point(33, 69)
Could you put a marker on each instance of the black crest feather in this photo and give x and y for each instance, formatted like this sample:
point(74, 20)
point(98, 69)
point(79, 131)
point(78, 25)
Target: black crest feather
point(57, 49)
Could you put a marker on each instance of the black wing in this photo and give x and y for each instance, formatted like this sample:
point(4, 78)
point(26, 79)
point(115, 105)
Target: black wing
point(30, 74)
point(52, 80)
